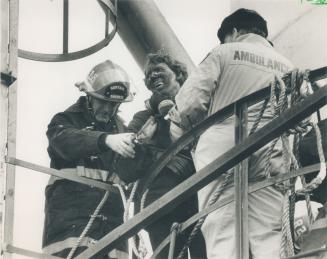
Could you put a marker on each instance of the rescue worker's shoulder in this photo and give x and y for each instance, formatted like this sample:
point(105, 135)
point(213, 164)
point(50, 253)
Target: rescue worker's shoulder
point(215, 52)
point(219, 54)
point(71, 112)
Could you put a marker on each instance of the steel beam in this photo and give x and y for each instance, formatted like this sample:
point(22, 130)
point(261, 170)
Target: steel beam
point(241, 186)
point(223, 202)
point(144, 29)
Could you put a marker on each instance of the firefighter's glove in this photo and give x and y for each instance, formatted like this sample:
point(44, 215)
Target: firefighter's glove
point(122, 144)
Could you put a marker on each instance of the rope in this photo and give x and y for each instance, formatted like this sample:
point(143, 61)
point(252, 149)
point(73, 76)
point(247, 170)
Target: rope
point(294, 166)
point(122, 194)
point(276, 107)
point(200, 222)
point(279, 103)
point(259, 117)
point(130, 200)
point(322, 172)
point(143, 199)
point(141, 251)
point(300, 89)
point(89, 224)
point(287, 245)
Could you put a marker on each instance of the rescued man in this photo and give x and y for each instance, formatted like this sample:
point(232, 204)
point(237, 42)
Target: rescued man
point(84, 140)
point(245, 62)
point(164, 77)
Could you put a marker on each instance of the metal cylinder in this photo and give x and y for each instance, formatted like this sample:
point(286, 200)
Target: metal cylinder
point(143, 29)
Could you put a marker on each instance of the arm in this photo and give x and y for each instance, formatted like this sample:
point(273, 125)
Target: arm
point(131, 169)
point(193, 99)
point(71, 143)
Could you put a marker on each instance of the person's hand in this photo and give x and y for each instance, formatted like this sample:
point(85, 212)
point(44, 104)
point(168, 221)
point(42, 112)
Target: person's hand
point(122, 144)
point(156, 98)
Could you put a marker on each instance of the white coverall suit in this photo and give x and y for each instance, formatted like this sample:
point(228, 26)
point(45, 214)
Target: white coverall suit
point(230, 72)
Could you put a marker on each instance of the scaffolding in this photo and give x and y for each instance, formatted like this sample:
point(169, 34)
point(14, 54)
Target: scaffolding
point(236, 157)
point(8, 99)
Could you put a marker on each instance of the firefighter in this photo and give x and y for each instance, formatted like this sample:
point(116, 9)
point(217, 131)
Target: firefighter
point(243, 63)
point(84, 140)
point(164, 76)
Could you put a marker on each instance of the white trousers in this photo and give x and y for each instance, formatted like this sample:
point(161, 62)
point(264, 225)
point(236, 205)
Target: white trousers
point(265, 206)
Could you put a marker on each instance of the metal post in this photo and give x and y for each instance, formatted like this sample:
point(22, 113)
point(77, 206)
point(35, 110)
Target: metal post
point(65, 26)
point(8, 98)
point(241, 186)
point(144, 30)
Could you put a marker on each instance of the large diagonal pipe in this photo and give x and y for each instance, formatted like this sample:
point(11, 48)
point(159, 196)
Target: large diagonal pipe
point(144, 29)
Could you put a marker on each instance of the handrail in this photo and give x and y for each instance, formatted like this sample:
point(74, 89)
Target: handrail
point(220, 165)
point(188, 137)
point(253, 187)
point(61, 174)
point(17, 250)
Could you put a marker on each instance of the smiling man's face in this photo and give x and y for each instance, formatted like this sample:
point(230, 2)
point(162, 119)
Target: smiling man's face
point(160, 78)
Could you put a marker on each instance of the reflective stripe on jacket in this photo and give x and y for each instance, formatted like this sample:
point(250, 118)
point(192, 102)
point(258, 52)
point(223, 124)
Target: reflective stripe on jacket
point(77, 140)
point(91, 173)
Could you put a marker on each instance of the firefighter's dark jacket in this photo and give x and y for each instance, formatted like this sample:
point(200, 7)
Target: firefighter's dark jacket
point(75, 138)
point(130, 170)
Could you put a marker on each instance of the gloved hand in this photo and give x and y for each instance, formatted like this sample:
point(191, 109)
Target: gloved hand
point(122, 144)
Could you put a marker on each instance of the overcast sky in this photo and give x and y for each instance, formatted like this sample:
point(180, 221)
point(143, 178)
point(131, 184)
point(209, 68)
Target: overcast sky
point(47, 88)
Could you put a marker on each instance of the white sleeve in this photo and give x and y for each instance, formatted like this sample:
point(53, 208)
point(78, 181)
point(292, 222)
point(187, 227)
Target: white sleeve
point(193, 99)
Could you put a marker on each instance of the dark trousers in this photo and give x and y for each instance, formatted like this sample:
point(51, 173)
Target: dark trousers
point(160, 229)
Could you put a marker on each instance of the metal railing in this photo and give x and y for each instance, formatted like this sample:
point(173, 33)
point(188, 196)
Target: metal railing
point(110, 9)
point(245, 146)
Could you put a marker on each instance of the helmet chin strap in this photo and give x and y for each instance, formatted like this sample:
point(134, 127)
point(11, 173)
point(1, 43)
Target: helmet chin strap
point(91, 111)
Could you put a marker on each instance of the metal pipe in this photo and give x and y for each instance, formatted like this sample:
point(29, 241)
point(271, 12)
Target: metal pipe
point(65, 26)
point(241, 185)
point(8, 116)
point(173, 235)
point(144, 29)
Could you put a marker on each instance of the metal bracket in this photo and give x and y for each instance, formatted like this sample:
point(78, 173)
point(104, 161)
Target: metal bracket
point(7, 79)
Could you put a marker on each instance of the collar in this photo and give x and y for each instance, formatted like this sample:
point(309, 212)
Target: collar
point(79, 106)
point(253, 38)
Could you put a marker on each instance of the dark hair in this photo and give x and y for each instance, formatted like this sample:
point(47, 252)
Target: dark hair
point(244, 20)
point(177, 67)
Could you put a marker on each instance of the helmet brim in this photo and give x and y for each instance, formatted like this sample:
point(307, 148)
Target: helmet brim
point(129, 98)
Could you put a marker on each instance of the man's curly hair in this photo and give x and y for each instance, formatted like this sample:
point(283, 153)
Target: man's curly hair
point(177, 67)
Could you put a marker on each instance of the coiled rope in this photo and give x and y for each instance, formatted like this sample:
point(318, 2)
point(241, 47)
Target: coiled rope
point(140, 252)
point(88, 225)
point(300, 88)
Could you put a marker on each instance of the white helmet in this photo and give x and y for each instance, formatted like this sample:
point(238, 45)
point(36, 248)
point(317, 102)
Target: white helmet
point(109, 82)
